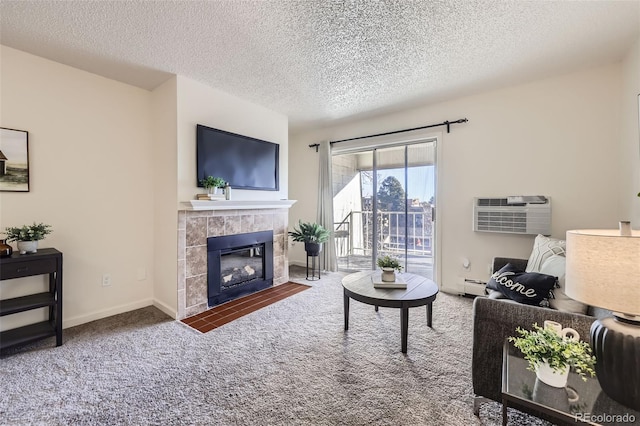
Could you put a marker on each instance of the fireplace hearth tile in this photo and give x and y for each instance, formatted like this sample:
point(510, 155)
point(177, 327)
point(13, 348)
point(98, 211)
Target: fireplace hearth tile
point(182, 267)
point(196, 289)
point(227, 312)
point(196, 231)
point(246, 223)
point(196, 261)
point(263, 222)
point(215, 226)
point(232, 225)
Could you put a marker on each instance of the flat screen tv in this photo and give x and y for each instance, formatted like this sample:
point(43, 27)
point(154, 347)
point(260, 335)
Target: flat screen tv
point(244, 162)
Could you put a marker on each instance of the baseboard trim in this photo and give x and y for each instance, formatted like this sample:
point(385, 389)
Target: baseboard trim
point(82, 319)
point(165, 308)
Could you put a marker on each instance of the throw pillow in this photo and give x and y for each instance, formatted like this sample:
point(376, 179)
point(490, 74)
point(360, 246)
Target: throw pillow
point(544, 248)
point(530, 288)
point(556, 265)
point(495, 294)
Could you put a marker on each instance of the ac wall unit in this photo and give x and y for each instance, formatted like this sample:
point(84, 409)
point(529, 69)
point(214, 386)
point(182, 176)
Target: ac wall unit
point(513, 215)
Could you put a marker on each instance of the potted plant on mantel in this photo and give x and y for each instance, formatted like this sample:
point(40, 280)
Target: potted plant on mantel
point(551, 355)
point(389, 266)
point(212, 183)
point(312, 235)
point(28, 236)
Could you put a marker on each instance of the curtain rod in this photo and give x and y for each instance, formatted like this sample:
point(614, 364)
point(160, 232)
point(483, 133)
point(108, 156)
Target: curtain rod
point(444, 123)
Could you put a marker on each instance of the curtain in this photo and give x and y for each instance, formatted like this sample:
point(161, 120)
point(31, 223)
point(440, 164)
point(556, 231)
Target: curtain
point(325, 207)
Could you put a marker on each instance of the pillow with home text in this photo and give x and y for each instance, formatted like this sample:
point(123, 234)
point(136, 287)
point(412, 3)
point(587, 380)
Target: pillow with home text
point(530, 288)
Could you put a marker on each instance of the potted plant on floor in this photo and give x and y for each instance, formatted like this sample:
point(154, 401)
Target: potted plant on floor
point(212, 184)
point(28, 236)
point(551, 355)
point(312, 235)
point(389, 266)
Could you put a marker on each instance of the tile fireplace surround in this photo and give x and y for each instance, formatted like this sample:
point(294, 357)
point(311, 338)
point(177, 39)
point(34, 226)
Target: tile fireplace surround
point(198, 221)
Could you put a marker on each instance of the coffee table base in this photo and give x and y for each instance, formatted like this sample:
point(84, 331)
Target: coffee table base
point(404, 319)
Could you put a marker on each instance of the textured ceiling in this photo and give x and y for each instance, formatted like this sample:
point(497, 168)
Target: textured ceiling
point(319, 61)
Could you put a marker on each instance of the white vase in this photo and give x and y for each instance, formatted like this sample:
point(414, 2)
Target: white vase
point(388, 275)
point(547, 375)
point(27, 247)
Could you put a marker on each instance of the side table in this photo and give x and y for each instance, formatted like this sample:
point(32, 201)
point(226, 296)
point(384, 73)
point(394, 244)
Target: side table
point(579, 402)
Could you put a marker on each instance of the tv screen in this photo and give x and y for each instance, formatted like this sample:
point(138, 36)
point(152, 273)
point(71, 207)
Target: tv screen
point(244, 162)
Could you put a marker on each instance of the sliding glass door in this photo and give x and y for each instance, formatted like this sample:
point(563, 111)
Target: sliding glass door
point(383, 205)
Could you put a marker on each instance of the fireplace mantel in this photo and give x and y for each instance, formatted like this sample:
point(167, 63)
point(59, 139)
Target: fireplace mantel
point(236, 204)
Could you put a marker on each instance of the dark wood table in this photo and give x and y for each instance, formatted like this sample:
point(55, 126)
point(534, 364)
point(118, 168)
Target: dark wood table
point(420, 291)
point(46, 261)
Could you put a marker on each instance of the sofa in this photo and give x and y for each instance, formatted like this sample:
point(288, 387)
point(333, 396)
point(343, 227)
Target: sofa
point(494, 320)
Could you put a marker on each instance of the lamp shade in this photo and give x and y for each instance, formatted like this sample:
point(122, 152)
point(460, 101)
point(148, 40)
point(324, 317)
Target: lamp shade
point(603, 269)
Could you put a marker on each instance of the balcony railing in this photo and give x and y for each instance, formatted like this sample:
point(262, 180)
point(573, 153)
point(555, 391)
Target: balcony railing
point(396, 231)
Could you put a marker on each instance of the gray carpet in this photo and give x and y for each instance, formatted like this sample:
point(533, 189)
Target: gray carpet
point(290, 363)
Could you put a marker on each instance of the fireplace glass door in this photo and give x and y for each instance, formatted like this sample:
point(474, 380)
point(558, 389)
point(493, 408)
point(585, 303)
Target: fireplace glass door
point(239, 266)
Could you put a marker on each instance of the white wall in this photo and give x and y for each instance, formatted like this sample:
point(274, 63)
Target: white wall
point(630, 139)
point(201, 104)
point(177, 107)
point(165, 187)
point(109, 165)
point(91, 179)
point(557, 137)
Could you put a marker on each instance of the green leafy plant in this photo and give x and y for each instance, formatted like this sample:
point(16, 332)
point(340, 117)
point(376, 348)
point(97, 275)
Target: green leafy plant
point(546, 345)
point(33, 232)
point(212, 182)
point(389, 262)
point(308, 232)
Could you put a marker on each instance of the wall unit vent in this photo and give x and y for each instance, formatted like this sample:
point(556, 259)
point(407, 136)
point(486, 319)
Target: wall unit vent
point(513, 215)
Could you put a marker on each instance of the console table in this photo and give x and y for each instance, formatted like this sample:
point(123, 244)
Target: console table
point(47, 261)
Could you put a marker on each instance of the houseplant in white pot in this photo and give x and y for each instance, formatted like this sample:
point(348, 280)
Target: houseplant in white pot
point(551, 355)
point(28, 236)
point(389, 266)
point(312, 235)
point(212, 184)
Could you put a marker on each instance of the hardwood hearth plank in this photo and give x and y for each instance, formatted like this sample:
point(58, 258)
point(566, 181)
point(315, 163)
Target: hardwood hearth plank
point(227, 312)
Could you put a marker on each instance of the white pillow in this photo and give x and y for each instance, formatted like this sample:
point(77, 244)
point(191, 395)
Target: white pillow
point(544, 248)
point(556, 265)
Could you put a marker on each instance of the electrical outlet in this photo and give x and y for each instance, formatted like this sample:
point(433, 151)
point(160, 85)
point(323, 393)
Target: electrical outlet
point(142, 274)
point(106, 280)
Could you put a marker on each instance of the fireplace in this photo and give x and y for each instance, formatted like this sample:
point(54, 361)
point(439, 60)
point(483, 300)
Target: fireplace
point(238, 265)
point(196, 224)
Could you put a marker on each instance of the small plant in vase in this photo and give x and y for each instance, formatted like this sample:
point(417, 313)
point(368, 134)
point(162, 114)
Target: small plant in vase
point(551, 355)
point(212, 183)
point(389, 266)
point(28, 236)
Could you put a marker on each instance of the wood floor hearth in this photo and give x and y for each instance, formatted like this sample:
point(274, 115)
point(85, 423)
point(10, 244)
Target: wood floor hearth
point(227, 312)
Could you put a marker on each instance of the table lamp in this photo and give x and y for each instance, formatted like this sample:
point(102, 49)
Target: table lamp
point(603, 270)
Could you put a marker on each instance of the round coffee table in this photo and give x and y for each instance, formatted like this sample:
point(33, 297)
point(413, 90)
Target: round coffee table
point(420, 291)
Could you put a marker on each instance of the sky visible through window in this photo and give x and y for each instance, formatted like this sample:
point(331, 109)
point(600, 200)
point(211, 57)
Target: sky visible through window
point(421, 181)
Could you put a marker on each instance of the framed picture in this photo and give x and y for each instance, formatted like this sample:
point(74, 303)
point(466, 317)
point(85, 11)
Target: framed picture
point(14, 160)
